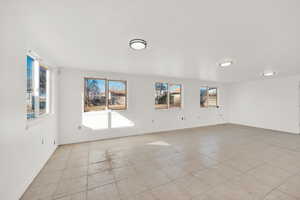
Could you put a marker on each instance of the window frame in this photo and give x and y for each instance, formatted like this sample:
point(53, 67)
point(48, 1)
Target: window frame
point(168, 96)
point(106, 93)
point(36, 87)
point(180, 86)
point(47, 89)
point(207, 96)
point(125, 83)
point(84, 90)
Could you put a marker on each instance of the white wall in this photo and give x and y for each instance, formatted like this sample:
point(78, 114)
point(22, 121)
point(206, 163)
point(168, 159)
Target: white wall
point(270, 103)
point(21, 152)
point(140, 110)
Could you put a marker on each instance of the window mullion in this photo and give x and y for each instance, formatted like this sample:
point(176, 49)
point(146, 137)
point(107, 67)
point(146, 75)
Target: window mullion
point(168, 96)
point(106, 94)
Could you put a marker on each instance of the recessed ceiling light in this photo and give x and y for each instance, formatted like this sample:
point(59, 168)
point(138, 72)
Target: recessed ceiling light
point(268, 74)
point(226, 63)
point(138, 44)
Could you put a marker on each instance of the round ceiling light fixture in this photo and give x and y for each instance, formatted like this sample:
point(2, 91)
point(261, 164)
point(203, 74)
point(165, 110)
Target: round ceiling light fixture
point(269, 74)
point(225, 63)
point(138, 44)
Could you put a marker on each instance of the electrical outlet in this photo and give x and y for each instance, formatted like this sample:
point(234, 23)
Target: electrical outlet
point(54, 142)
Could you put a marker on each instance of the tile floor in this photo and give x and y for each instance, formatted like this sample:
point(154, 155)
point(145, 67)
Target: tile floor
point(226, 162)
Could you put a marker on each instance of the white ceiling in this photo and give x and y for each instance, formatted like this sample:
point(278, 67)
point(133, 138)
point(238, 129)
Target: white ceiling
point(186, 38)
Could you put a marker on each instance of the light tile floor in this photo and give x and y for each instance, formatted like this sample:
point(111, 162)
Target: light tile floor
point(226, 162)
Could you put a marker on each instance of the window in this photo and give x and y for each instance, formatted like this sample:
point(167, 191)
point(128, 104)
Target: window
point(102, 94)
point(212, 97)
point(208, 97)
point(175, 95)
point(161, 95)
point(37, 93)
point(94, 95)
point(203, 97)
point(30, 107)
point(167, 95)
point(43, 90)
point(117, 95)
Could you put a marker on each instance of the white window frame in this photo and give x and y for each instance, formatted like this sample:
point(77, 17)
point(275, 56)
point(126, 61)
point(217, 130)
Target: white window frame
point(207, 96)
point(168, 96)
point(35, 86)
point(107, 96)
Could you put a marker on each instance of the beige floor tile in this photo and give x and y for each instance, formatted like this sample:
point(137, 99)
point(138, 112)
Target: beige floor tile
point(99, 167)
point(210, 177)
point(98, 156)
point(40, 193)
point(71, 186)
point(286, 161)
point(226, 171)
point(77, 162)
point(122, 162)
point(250, 186)
point(269, 175)
point(142, 196)
point(55, 164)
point(74, 172)
point(220, 162)
point(106, 192)
point(278, 195)
point(244, 163)
point(45, 178)
point(154, 178)
point(78, 196)
point(291, 186)
point(78, 155)
point(192, 185)
point(174, 172)
point(245, 190)
point(124, 172)
point(131, 186)
point(100, 179)
point(171, 191)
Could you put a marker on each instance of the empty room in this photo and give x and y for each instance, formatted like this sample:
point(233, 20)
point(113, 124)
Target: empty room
point(150, 100)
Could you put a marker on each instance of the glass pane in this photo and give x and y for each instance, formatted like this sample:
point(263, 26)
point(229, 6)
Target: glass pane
point(203, 97)
point(94, 95)
point(43, 90)
point(117, 95)
point(175, 95)
point(29, 92)
point(161, 95)
point(212, 97)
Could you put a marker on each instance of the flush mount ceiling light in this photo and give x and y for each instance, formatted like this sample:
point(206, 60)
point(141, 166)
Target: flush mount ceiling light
point(225, 63)
point(138, 44)
point(269, 74)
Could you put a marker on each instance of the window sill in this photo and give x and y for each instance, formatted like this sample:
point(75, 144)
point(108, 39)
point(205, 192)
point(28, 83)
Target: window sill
point(34, 122)
point(169, 109)
point(209, 107)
